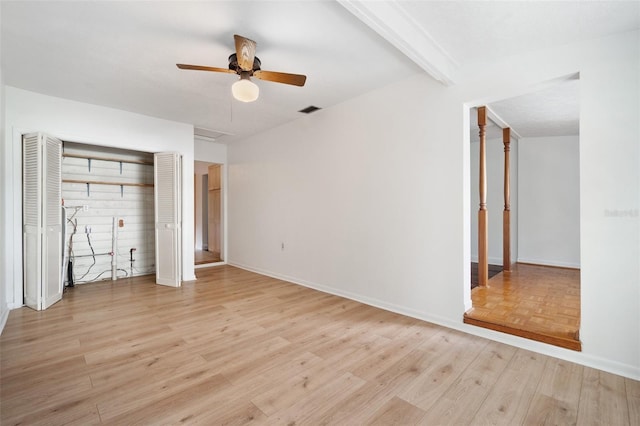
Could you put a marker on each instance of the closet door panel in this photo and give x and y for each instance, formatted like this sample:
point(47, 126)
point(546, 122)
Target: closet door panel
point(168, 223)
point(52, 229)
point(42, 220)
point(32, 220)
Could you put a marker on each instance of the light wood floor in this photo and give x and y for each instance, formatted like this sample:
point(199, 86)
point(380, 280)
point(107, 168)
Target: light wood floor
point(236, 347)
point(202, 257)
point(536, 302)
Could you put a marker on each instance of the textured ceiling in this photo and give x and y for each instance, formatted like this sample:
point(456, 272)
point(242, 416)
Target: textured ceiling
point(554, 111)
point(122, 54)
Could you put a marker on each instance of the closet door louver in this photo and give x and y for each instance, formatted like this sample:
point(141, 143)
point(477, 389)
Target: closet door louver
point(31, 220)
point(168, 221)
point(42, 220)
point(52, 228)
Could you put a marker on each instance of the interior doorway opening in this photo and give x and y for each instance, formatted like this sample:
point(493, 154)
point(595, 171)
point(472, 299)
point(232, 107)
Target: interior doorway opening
point(537, 296)
point(208, 214)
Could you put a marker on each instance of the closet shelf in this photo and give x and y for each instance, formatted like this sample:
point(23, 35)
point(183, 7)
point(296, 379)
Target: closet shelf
point(102, 182)
point(117, 160)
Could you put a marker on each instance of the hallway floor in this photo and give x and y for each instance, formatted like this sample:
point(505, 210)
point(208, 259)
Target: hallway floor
point(202, 257)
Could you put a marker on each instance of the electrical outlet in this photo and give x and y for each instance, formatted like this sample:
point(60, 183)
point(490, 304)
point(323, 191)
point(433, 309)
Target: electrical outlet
point(85, 208)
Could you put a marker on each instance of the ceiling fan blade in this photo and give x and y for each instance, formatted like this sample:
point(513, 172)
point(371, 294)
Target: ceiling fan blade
point(204, 68)
point(281, 77)
point(245, 52)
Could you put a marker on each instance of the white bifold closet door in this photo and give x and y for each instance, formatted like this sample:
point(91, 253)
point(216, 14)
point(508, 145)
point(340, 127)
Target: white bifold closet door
point(168, 219)
point(42, 220)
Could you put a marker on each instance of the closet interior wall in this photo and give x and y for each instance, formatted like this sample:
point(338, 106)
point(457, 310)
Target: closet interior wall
point(108, 198)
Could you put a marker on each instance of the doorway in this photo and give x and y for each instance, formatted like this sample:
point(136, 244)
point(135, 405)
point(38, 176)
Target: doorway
point(538, 297)
point(208, 214)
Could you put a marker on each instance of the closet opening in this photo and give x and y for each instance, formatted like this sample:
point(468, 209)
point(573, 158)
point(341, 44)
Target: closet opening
point(108, 213)
point(94, 213)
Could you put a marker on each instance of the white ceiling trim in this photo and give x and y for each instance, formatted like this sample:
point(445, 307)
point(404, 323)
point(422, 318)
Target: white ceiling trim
point(391, 21)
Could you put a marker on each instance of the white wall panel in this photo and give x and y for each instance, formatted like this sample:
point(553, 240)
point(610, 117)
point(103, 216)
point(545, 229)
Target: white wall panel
point(131, 204)
point(6, 266)
point(549, 203)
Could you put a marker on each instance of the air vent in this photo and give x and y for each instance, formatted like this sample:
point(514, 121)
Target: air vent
point(309, 109)
point(208, 134)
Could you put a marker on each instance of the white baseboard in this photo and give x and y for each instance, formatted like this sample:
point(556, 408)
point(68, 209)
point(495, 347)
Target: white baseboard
point(547, 262)
point(492, 260)
point(4, 315)
point(208, 265)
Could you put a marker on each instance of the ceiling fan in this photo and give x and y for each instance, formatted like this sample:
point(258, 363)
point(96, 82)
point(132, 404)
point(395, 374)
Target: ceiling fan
point(245, 63)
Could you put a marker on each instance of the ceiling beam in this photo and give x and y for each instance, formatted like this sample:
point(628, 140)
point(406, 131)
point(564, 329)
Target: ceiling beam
point(391, 21)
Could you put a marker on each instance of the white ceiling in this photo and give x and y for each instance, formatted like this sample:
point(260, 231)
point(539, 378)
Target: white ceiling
point(123, 54)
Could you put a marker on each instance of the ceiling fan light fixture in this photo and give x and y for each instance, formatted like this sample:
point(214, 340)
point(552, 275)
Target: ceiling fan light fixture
point(245, 90)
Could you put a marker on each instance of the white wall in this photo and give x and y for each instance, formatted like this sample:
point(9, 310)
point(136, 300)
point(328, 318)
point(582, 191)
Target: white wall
point(371, 197)
point(4, 178)
point(210, 152)
point(78, 122)
point(199, 170)
point(495, 197)
point(355, 193)
point(549, 203)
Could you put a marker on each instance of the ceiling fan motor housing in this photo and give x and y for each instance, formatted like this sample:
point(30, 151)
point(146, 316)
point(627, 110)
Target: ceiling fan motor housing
point(233, 64)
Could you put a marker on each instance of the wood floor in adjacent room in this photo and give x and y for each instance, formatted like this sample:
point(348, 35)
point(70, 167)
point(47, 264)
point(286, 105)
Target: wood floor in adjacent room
point(236, 347)
point(536, 302)
point(202, 257)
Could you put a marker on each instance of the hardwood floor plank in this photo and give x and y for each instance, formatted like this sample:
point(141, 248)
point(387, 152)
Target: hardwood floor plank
point(236, 347)
point(262, 379)
point(397, 412)
point(459, 403)
point(306, 409)
point(79, 412)
point(447, 355)
point(235, 412)
point(357, 407)
point(632, 388)
point(300, 386)
point(46, 374)
point(177, 404)
point(106, 377)
point(258, 345)
point(404, 342)
point(48, 398)
point(129, 350)
point(133, 402)
point(558, 394)
point(23, 358)
point(508, 401)
point(607, 398)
